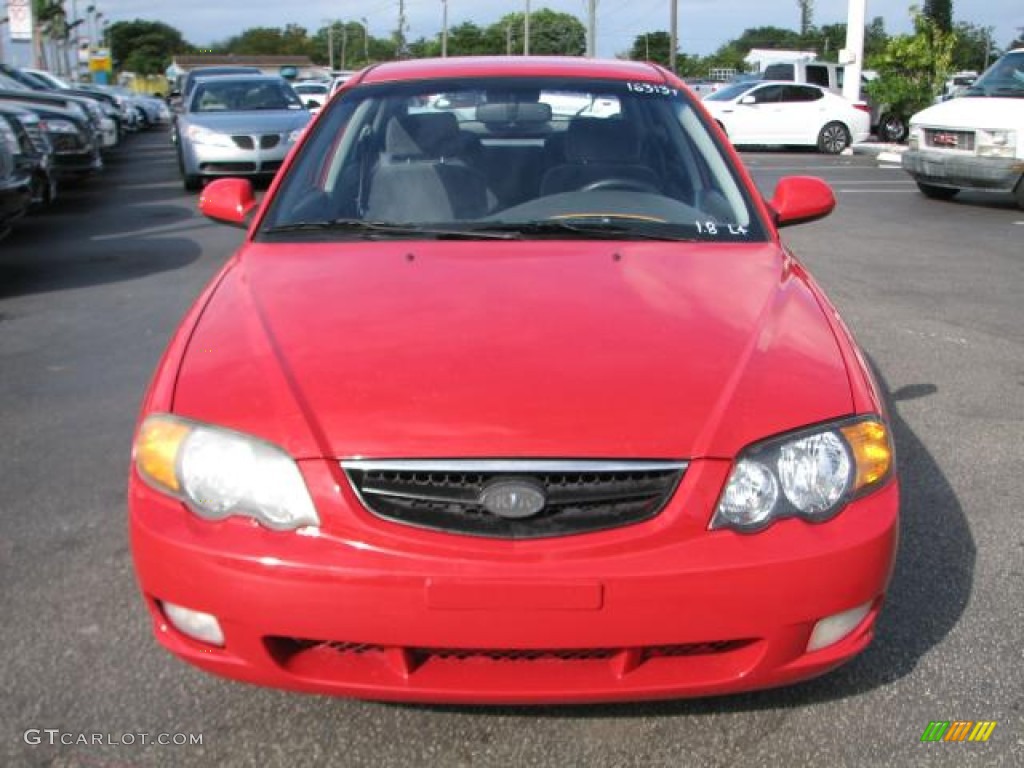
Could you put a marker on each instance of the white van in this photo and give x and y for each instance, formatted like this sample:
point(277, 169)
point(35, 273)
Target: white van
point(975, 141)
point(887, 125)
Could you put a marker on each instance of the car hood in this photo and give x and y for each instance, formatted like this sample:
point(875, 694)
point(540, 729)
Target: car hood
point(513, 349)
point(254, 121)
point(972, 112)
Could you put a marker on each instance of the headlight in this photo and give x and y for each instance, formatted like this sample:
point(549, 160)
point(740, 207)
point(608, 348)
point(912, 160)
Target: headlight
point(915, 137)
point(218, 473)
point(811, 474)
point(294, 136)
point(58, 126)
point(202, 135)
point(997, 143)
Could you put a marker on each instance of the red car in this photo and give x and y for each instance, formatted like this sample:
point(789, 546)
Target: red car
point(513, 403)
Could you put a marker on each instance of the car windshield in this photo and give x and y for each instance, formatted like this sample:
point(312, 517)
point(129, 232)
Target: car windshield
point(509, 158)
point(1003, 79)
point(733, 91)
point(233, 95)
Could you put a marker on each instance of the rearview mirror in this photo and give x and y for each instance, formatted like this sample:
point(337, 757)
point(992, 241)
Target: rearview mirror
point(228, 201)
point(799, 199)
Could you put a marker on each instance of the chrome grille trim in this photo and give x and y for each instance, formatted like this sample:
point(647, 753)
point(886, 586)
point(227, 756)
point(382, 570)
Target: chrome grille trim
point(515, 466)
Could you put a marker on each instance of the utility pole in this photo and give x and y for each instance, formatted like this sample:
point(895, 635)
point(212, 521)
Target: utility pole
point(508, 39)
point(401, 28)
point(526, 31)
point(444, 28)
point(330, 45)
point(366, 40)
point(673, 42)
point(591, 29)
point(344, 46)
point(853, 55)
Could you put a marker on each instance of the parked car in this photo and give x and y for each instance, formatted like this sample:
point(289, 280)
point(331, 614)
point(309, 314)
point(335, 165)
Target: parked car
point(238, 125)
point(15, 184)
point(885, 123)
point(66, 126)
point(102, 111)
point(514, 407)
point(32, 152)
point(313, 93)
point(781, 113)
point(975, 141)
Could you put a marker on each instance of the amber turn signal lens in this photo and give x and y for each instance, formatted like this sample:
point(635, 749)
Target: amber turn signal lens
point(872, 451)
point(156, 450)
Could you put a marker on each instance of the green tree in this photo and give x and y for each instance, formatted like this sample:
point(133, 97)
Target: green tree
point(144, 47)
point(551, 33)
point(652, 46)
point(973, 47)
point(270, 41)
point(941, 13)
point(913, 67)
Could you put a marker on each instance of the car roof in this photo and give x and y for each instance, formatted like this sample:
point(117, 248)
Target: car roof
point(512, 66)
point(239, 77)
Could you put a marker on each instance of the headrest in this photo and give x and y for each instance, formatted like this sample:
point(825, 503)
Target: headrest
point(514, 112)
point(431, 134)
point(597, 140)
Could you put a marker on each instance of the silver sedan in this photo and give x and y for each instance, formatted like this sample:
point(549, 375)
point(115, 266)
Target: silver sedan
point(239, 125)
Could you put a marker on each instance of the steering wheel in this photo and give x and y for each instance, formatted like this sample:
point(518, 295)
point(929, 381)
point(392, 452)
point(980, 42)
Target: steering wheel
point(631, 185)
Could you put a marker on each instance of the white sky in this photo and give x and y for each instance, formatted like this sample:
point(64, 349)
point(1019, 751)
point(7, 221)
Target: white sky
point(703, 24)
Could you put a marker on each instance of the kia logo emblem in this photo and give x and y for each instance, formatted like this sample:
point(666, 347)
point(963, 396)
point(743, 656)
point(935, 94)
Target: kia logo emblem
point(513, 499)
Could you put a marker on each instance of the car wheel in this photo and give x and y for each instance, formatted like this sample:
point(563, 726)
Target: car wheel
point(191, 182)
point(937, 193)
point(833, 139)
point(892, 128)
point(1019, 194)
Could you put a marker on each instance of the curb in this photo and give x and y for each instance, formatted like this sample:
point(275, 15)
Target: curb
point(889, 154)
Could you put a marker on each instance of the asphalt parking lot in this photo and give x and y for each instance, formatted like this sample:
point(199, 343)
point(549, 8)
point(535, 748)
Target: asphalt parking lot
point(89, 293)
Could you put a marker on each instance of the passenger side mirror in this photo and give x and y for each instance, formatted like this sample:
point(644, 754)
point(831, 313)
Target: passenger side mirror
point(799, 199)
point(228, 201)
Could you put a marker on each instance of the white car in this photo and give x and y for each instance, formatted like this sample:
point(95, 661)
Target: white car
point(775, 112)
point(975, 141)
point(314, 93)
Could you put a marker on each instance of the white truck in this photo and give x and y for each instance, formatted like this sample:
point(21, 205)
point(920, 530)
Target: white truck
point(975, 141)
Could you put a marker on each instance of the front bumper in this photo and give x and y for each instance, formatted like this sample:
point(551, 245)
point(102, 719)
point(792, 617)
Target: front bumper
point(371, 609)
point(962, 170)
point(207, 160)
point(15, 198)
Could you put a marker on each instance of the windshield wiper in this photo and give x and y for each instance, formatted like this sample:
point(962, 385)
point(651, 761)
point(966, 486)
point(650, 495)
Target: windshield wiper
point(382, 230)
point(586, 228)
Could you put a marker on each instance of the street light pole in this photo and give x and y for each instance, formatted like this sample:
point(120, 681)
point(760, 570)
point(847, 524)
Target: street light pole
point(673, 42)
point(444, 28)
point(366, 41)
point(526, 31)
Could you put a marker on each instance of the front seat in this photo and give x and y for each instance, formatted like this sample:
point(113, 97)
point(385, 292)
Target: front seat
point(421, 176)
point(598, 149)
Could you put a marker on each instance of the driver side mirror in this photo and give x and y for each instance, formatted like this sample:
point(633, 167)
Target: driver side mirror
point(228, 201)
point(748, 100)
point(799, 199)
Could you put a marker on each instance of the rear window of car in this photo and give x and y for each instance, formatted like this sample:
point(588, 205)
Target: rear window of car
point(478, 153)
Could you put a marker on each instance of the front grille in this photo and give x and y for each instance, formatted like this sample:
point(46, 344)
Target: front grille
point(287, 650)
point(66, 142)
point(269, 140)
point(243, 142)
point(940, 139)
point(271, 166)
point(227, 167)
point(575, 496)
